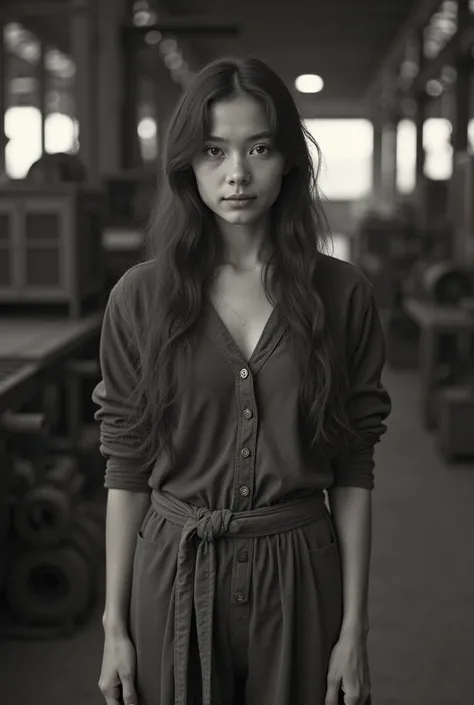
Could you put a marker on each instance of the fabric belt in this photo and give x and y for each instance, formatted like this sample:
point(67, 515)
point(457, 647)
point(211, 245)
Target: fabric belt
point(196, 571)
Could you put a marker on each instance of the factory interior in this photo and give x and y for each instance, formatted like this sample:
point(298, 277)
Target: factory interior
point(87, 87)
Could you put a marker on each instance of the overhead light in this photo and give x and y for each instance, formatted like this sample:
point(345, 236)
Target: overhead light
point(22, 85)
point(434, 88)
point(309, 83)
point(168, 46)
point(146, 128)
point(144, 18)
point(173, 60)
point(409, 69)
point(58, 63)
point(153, 37)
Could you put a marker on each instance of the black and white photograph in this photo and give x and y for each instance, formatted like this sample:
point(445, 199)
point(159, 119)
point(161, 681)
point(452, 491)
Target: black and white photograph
point(236, 352)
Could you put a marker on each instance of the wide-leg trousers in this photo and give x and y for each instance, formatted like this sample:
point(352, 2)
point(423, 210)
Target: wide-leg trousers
point(271, 643)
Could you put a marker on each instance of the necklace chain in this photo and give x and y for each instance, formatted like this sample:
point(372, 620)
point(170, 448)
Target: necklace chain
point(243, 321)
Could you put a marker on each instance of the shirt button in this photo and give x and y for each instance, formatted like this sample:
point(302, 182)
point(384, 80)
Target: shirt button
point(245, 452)
point(248, 413)
point(239, 596)
point(244, 491)
point(244, 373)
point(243, 556)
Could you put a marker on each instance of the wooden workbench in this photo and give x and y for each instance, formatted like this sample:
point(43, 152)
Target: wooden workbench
point(31, 346)
point(42, 340)
point(434, 321)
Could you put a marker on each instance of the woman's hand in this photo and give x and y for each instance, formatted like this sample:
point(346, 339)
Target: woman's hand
point(349, 670)
point(117, 678)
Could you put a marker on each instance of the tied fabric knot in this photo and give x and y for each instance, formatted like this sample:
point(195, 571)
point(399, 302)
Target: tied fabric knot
point(211, 525)
point(195, 586)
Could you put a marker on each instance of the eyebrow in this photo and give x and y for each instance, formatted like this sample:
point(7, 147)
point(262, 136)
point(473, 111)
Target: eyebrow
point(258, 136)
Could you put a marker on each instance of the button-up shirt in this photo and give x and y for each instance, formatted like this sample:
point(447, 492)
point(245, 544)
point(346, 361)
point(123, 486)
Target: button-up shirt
point(238, 439)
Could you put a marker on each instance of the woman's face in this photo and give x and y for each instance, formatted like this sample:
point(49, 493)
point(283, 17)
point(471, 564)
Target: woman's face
point(239, 158)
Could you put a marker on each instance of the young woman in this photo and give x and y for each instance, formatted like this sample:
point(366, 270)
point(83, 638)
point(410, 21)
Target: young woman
point(241, 378)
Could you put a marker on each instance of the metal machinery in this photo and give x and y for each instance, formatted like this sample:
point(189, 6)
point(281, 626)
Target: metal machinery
point(51, 540)
point(50, 471)
point(443, 282)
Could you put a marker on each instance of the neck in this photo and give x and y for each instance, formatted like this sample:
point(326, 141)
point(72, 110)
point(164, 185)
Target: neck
point(245, 248)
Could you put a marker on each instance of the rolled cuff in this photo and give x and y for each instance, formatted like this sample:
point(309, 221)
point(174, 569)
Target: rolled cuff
point(355, 464)
point(126, 475)
point(357, 470)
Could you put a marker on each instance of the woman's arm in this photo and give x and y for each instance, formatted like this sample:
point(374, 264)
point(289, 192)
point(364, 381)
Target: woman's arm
point(350, 495)
point(127, 474)
point(125, 513)
point(351, 509)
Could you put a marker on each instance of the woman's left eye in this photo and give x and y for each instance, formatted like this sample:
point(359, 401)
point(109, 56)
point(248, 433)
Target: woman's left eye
point(262, 146)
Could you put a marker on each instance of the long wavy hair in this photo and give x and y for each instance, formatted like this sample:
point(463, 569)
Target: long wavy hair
point(185, 247)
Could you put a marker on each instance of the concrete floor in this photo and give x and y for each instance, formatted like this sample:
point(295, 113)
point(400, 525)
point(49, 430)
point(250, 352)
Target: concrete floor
point(421, 643)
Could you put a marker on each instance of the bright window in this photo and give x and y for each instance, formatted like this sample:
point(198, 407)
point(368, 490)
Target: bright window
point(470, 135)
point(406, 156)
point(438, 149)
point(23, 128)
point(347, 146)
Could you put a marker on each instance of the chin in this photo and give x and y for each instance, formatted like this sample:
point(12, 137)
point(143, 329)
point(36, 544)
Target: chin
point(240, 218)
point(244, 214)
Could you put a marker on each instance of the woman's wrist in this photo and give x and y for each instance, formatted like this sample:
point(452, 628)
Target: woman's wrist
point(357, 628)
point(114, 625)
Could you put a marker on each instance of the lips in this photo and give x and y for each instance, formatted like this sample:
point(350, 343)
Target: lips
point(239, 198)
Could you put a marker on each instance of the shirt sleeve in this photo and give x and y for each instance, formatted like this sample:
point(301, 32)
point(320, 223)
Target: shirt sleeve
point(119, 444)
point(369, 403)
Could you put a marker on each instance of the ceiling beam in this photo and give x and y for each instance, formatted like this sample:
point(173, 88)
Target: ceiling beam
point(18, 10)
point(192, 24)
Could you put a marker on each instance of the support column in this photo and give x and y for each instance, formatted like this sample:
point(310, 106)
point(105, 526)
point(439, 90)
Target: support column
point(130, 149)
point(42, 79)
point(85, 54)
point(167, 94)
point(460, 201)
point(377, 159)
point(111, 14)
point(389, 163)
point(3, 103)
point(420, 117)
point(462, 99)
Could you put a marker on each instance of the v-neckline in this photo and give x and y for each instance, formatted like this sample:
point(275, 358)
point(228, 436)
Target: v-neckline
point(230, 337)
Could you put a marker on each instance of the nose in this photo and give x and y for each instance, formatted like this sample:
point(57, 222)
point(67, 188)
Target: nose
point(238, 171)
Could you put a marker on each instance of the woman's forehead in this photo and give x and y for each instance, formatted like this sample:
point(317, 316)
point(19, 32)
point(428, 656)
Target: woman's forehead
point(242, 117)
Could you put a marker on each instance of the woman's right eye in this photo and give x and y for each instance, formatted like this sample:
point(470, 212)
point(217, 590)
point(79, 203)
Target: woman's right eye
point(206, 150)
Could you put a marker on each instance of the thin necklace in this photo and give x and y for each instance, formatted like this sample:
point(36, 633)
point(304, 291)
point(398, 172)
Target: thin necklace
point(243, 321)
